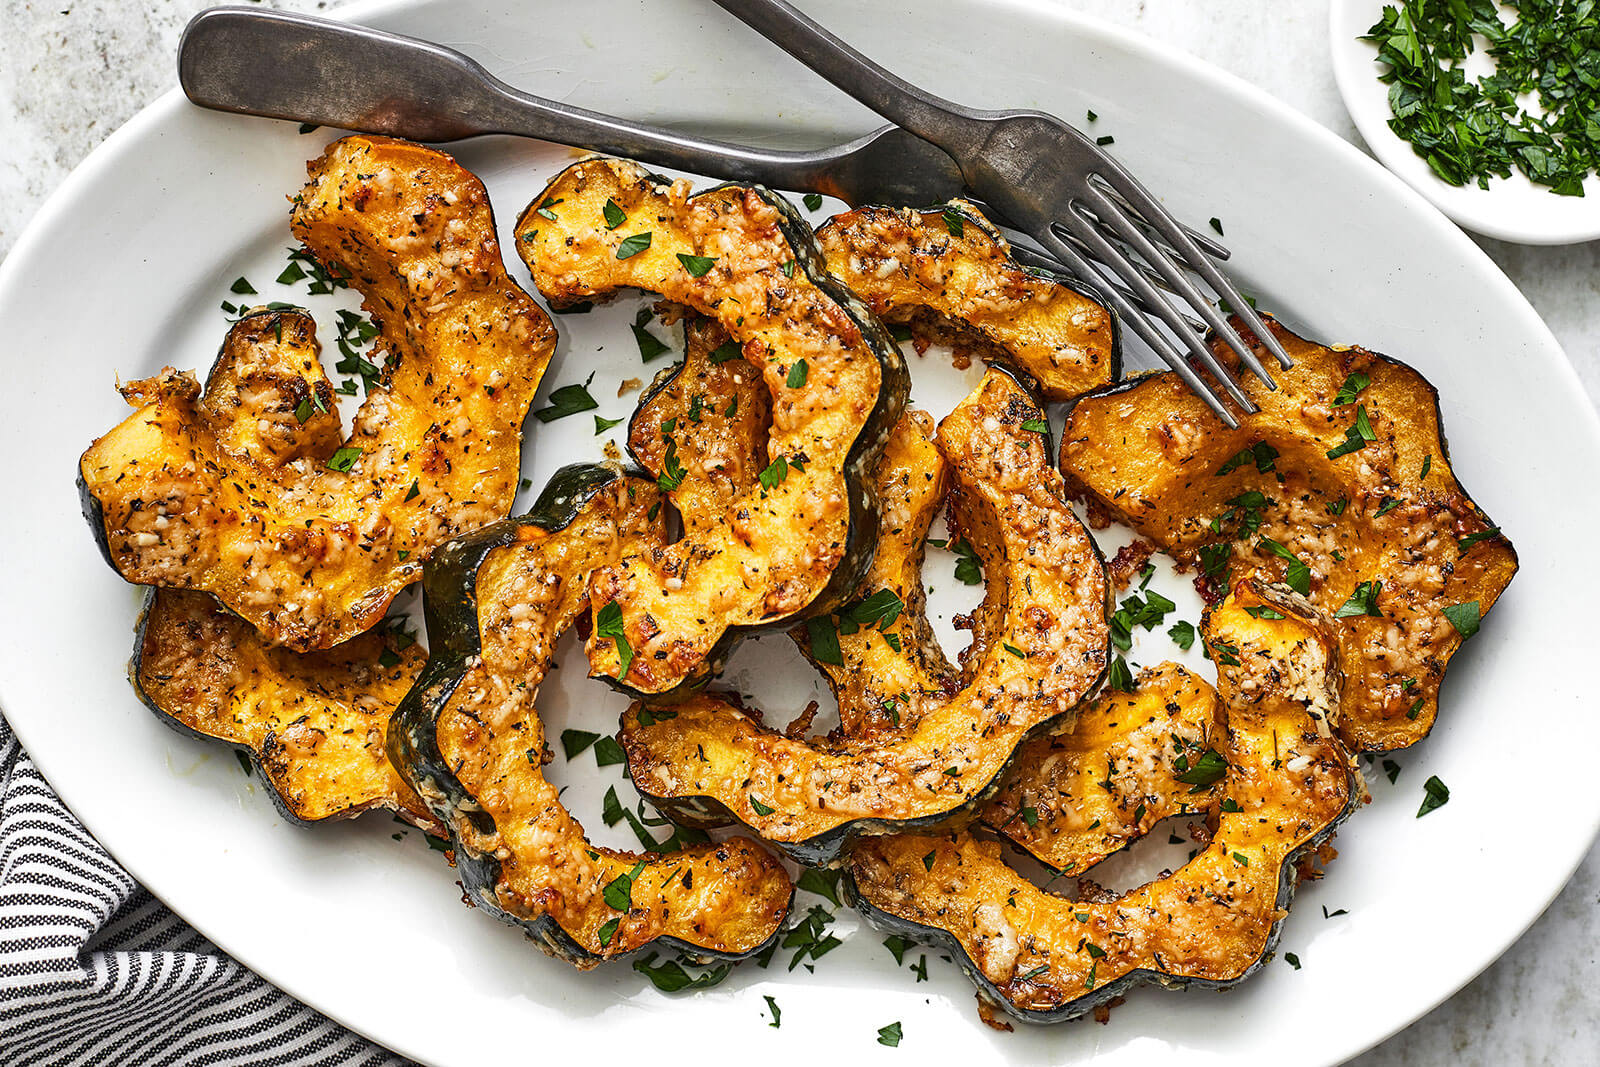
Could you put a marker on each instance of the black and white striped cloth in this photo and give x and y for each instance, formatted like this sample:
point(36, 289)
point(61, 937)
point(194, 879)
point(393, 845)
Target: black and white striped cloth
point(96, 971)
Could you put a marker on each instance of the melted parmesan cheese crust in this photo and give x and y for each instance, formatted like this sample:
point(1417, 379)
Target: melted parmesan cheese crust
point(727, 897)
point(314, 722)
point(958, 282)
point(774, 548)
point(1290, 782)
point(1045, 599)
point(1150, 455)
point(202, 492)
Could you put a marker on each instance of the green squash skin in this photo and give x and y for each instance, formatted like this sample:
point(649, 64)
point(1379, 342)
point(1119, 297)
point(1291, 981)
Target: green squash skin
point(450, 612)
point(825, 849)
point(860, 461)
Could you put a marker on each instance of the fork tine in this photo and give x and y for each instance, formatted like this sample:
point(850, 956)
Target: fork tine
point(1142, 326)
point(1176, 280)
point(1153, 213)
point(1077, 221)
point(1207, 245)
point(1030, 257)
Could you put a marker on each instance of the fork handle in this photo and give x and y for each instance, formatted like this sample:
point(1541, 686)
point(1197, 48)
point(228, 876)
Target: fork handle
point(328, 73)
point(950, 126)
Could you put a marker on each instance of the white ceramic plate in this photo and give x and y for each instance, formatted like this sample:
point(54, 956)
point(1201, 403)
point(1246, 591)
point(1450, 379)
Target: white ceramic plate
point(1511, 209)
point(123, 271)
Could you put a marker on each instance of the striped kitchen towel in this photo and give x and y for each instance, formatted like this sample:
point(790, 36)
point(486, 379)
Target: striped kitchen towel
point(96, 971)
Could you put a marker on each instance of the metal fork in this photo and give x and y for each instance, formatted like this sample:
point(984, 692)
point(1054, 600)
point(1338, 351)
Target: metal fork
point(1058, 186)
point(326, 73)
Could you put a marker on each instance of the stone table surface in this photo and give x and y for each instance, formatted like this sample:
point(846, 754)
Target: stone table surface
point(72, 71)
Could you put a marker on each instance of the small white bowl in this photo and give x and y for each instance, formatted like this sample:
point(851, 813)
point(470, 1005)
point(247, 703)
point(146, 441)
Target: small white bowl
point(1511, 209)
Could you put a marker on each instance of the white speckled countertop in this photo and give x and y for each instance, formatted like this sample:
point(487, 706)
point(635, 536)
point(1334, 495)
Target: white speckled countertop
point(72, 71)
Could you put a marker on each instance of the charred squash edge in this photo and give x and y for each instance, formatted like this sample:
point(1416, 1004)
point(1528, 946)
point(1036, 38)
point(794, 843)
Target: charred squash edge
point(451, 613)
point(860, 460)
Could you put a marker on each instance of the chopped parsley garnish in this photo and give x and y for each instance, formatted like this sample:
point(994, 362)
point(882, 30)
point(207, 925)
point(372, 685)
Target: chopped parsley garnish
point(774, 474)
point(602, 425)
point(969, 567)
point(1241, 859)
point(574, 742)
point(1392, 769)
point(1464, 617)
point(824, 638)
point(772, 1006)
point(1118, 676)
point(670, 977)
point(1223, 653)
point(672, 471)
point(787, 266)
point(1292, 960)
point(813, 201)
point(1182, 634)
point(1356, 437)
point(242, 286)
point(890, 1035)
point(1364, 601)
point(1427, 465)
point(824, 884)
point(1014, 650)
point(1472, 129)
point(1297, 575)
point(953, 222)
point(760, 808)
point(608, 929)
point(727, 350)
point(650, 346)
point(1037, 425)
point(880, 609)
point(608, 623)
point(614, 214)
point(618, 892)
point(632, 246)
point(1104, 140)
point(897, 946)
point(1473, 538)
point(568, 400)
point(1204, 772)
point(544, 209)
point(899, 331)
point(1261, 611)
point(1147, 610)
point(607, 753)
point(611, 810)
point(343, 459)
point(1216, 224)
point(810, 938)
point(1336, 507)
point(797, 374)
point(927, 861)
point(1354, 384)
point(1263, 455)
point(244, 763)
point(1436, 795)
point(697, 266)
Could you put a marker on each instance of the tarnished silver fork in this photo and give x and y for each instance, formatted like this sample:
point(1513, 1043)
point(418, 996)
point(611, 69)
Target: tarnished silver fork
point(1055, 184)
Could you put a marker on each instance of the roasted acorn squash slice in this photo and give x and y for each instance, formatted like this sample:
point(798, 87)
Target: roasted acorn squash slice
point(1341, 485)
point(189, 492)
point(799, 539)
point(1289, 782)
point(948, 272)
point(313, 722)
point(468, 738)
point(1076, 796)
point(1040, 645)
